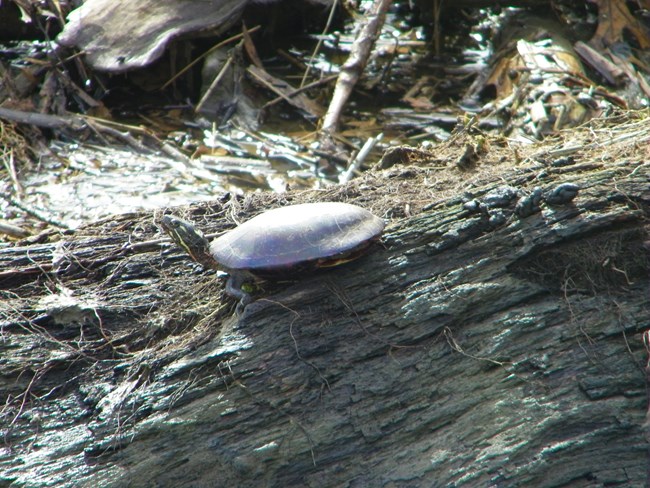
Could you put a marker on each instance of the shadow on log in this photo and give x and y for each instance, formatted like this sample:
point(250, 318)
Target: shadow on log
point(473, 348)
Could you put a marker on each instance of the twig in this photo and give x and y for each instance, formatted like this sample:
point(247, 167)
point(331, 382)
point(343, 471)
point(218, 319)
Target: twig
point(214, 84)
point(11, 169)
point(361, 157)
point(283, 89)
point(75, 123)
point(208, 52)
point(42, 120)
point(34, 213)
point(297, 91)
point(328, 24)
point(124, 136)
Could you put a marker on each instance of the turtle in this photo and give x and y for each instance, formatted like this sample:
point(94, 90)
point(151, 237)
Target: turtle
point(280, 243)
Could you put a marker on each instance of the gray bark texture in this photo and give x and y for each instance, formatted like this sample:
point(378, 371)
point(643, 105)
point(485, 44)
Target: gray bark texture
point(119, 35)
point(471, 348)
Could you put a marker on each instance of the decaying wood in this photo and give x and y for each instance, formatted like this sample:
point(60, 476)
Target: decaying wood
point(73, 122)
point(472, 348)
point(608, 70)
point(104, 29)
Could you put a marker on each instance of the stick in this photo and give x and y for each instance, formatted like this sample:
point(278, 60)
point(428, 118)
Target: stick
point(41, 120)
point(361, 157)
point(355, 64)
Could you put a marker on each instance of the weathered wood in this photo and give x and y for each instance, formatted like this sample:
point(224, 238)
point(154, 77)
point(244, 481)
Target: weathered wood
point(104, 29)
point(42, 120)
point(369, 29)
point(468, 350)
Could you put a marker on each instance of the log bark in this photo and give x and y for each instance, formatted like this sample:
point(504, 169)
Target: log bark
point(473, 348)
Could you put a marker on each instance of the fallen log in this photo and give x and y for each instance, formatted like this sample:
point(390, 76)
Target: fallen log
point(474, 347)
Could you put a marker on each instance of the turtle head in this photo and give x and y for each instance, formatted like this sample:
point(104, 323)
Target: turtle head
point(192, 240)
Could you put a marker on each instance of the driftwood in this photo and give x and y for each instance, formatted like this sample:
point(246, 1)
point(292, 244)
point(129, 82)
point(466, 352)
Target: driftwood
point(104, 29)
point(473, 348)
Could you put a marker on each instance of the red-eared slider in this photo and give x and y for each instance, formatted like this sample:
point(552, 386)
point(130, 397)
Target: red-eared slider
point(281, 242)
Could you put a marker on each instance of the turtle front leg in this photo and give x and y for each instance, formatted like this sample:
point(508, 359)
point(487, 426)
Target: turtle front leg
point(233, 288)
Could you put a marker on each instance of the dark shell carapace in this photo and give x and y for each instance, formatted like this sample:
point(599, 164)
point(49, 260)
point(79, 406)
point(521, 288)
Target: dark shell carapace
point(296, 235)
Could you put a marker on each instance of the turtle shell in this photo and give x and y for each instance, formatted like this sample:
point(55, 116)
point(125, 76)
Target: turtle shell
point(297, 237)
